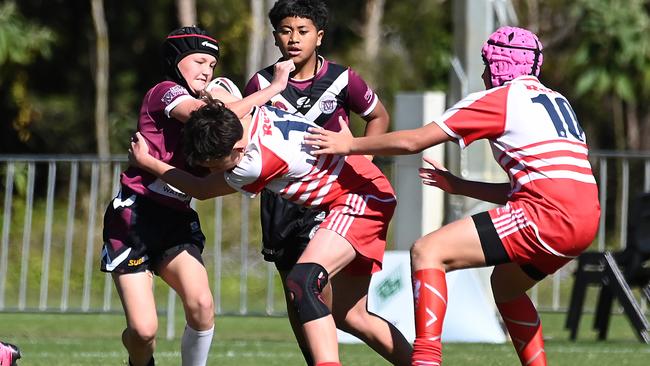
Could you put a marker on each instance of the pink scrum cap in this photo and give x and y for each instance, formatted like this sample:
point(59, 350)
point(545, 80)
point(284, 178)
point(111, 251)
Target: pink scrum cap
point(511, 52)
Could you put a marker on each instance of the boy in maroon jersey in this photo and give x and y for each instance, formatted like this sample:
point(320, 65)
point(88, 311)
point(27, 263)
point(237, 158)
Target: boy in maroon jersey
point(149, 227)
point(265, 150)
point(320, 91)
point(550, 207)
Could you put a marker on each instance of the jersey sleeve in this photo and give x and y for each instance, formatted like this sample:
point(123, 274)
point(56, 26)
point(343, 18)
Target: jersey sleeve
point(478, 116)
point(361, 98)
point(166, 96)
point(252, 86)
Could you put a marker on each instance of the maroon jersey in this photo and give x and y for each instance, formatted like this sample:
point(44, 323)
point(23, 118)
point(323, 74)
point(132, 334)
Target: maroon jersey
point(330, 94)
point(163, 135)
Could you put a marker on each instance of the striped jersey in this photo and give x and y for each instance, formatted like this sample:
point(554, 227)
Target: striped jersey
point(330, 94)
point(535, 137)
point(277, 159)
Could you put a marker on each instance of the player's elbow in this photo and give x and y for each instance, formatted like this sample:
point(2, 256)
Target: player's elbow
point(412, 146)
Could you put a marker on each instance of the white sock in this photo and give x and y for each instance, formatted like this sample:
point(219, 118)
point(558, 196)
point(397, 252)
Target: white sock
point(195, 346)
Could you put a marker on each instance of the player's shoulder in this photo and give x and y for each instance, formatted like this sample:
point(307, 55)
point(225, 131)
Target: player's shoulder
point(335, 66)
point(164, 93)
point(165, 85)
point(266, 73)
point(491, 93)
point(331, 71)
point(259, 80)
point(530, 83)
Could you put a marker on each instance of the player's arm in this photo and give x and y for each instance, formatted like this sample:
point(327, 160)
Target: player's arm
point(183, 110)
point(281, 73)
point(202, 188)
point(239, 106)
point(404, 142)
point(362, 100)
point(439, 176)
point(377, 122)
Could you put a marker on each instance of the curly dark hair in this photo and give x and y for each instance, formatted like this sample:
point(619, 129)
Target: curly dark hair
point(210, 132)
point(316, 10)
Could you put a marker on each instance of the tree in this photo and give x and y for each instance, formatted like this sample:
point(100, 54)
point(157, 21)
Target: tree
point(101, 79)
point(21, 43)
point(261, 48)
point(372, 31)
point(599, 52)
point(612, 55)
point(186, 12)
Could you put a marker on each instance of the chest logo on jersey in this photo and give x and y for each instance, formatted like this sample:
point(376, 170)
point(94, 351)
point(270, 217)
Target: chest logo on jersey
point(328, 105)
point(303, 102)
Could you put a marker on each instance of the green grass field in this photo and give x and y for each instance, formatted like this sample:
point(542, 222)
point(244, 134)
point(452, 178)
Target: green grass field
point(92, 339)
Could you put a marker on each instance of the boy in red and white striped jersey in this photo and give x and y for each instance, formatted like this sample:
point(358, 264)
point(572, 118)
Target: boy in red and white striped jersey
point(265, 150)
point(550, 206)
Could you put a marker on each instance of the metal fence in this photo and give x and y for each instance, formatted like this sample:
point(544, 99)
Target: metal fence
point(51, 237)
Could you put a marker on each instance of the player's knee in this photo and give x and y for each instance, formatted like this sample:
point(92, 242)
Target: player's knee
point(419, 253)
point(305, 283)
point(205, 303)
point(200, 310)
point(143, 333)
point(424, 254)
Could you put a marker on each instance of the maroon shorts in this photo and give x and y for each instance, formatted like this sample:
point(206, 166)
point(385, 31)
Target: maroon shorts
point(139, 234)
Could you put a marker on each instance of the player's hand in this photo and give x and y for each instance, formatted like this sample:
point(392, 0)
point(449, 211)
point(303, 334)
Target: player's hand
point(139, 150)
point(281, 72)
point(329, 142)
point(438, 176)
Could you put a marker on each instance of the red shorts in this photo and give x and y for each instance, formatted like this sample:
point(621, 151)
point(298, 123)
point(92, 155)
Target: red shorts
point(543, 237)
point(362, 219)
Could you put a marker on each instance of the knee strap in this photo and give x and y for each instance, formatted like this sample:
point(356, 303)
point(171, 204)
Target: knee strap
point(306, 282)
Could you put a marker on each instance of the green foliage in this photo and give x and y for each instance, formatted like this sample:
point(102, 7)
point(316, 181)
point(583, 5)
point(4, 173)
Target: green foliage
point(229, 22)
point(424, 29)
point(604, 52)
point(62, 107)
point(21, 41)
point(612, 48)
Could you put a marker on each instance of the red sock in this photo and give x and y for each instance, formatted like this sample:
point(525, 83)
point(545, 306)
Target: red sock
point(525, 329)
point(329, 364)
point(430, 298)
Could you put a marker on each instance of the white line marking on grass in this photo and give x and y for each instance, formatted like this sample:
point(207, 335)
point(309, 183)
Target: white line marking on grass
point(96, 354)
point(564, 349)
